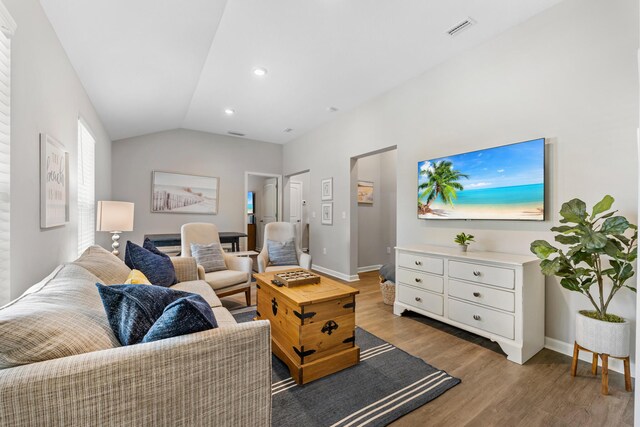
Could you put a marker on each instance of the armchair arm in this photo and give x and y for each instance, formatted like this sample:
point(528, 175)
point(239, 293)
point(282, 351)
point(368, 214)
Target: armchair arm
point(239, 263)
point(201, 272)
point(305, 261)
point(218, 377)
point(186, 268)
point(263, 260)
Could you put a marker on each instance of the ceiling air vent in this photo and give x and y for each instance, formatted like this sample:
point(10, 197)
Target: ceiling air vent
point(235, 133)
point(461, 26)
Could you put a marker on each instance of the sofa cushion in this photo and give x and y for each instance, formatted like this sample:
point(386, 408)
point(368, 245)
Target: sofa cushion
point(282, 253)
point(58, 317)
point(201, 288)
point(108, 268)
point(210, 257)
point(136, 277)
point(133, 312)
point(156, 266)
point(225, 278)
point(223, 317)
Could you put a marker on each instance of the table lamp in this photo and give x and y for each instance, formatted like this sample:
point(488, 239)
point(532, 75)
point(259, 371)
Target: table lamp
point(114, 217)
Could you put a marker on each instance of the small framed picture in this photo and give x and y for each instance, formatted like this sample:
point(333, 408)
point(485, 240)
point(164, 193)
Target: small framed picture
point(327, 213)
point(327, 189)
point(54, 183)
point(365, 192)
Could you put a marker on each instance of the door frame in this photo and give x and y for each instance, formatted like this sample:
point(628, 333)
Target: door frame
point(280, 204)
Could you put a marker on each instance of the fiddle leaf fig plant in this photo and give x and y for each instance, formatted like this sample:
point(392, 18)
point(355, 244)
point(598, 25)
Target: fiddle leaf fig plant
point(598, 247)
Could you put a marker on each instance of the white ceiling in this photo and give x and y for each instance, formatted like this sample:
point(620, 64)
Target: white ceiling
point(152, 65)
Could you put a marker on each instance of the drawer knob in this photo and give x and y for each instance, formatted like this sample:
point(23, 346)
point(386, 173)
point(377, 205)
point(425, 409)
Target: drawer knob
point(418, 280)
point(476, 294)
point(418, 262)
point(477, 273)
point(476, 317)
point(418, 299)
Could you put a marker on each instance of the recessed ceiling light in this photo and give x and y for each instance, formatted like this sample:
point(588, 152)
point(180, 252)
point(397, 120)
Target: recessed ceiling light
point(229, 111)
point(260, 71)
point(332, 109)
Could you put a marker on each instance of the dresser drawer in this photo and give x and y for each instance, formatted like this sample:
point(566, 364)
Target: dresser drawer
point(422, 263)
point(495, 298)
point(482, 318)
point(421, 299)
point(497, 276)
point(421, 280)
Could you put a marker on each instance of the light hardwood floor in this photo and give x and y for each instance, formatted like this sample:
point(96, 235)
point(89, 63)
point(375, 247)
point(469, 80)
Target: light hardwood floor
point(494, 391)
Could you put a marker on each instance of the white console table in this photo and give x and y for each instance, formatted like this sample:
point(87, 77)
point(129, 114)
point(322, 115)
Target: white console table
point(495, 295)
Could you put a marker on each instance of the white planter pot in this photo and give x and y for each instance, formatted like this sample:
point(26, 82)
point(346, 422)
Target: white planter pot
point(463, 248)
point(603, 337)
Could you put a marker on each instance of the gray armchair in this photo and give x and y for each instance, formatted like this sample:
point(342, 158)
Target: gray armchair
point(281, 232)
point(237, 277)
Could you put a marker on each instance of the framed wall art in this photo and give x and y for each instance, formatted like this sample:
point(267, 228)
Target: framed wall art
point(327, 213)
point(327, 189)
point(365, 192)
point(185, 194)
point(54, 183)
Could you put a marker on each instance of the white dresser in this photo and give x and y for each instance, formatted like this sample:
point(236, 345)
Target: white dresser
point(498, 296)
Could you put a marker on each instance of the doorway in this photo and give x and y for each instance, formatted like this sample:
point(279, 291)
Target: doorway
point(296, 192)
point(263, 205)
point(374, 198)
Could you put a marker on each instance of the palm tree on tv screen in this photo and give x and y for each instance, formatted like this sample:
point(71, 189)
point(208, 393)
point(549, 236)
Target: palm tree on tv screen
point(442, 181)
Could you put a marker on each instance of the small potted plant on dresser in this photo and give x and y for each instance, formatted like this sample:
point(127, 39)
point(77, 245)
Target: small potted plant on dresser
point(463, 240)
point(601, 250)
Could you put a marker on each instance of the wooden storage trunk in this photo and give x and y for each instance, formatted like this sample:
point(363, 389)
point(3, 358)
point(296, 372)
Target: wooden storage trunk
point(312, 326)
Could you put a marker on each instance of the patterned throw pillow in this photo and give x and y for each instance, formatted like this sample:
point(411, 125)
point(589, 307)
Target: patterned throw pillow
point(155, 265)
point(282, 253)
point(210, 257)
point(149, 313)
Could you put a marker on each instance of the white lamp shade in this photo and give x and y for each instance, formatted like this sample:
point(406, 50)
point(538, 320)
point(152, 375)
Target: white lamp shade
point(114, 216)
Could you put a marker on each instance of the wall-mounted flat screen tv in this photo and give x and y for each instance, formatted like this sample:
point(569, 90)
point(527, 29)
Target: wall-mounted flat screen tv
point(498, 183)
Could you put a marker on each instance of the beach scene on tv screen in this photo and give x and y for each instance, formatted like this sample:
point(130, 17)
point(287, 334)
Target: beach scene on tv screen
point(497, 183)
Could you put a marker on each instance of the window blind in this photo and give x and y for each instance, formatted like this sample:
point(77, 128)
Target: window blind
point(5, 159)
point(86, 188)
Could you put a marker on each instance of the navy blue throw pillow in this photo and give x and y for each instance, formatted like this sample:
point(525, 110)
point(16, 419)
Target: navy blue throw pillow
point(155, 265)
point(145, 313)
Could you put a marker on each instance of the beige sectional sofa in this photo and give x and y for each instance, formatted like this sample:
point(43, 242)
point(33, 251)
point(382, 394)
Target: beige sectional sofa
point(60, 364)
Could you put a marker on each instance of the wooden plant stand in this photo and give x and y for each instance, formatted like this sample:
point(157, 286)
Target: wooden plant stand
point(605, 367)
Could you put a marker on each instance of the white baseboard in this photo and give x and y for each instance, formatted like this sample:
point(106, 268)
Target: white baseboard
point(367, 268)
point(336, 274)
point(566, 348)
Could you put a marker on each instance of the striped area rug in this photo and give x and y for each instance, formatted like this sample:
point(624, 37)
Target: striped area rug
point(387, 384)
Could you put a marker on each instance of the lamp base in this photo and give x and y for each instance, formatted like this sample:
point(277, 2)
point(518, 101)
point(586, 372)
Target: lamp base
point(116, 244)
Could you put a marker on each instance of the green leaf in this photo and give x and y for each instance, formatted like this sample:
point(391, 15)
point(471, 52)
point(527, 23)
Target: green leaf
point(602, 205)
point(615, 225)
point(594, 240)
point(625, 241)
point(574, 210)
point(549, 268)
point(571, 284)
point(612, 249)
point(563, 229)
point(579, 256)
point(542, 249)
point(567, 240)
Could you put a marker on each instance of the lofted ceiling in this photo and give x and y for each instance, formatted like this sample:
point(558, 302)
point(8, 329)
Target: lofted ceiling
point(153, 65)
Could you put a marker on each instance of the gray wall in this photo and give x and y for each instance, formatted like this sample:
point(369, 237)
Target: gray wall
point(188, 152)
point(377, 222)
point(46, 96)
point(568, 74)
